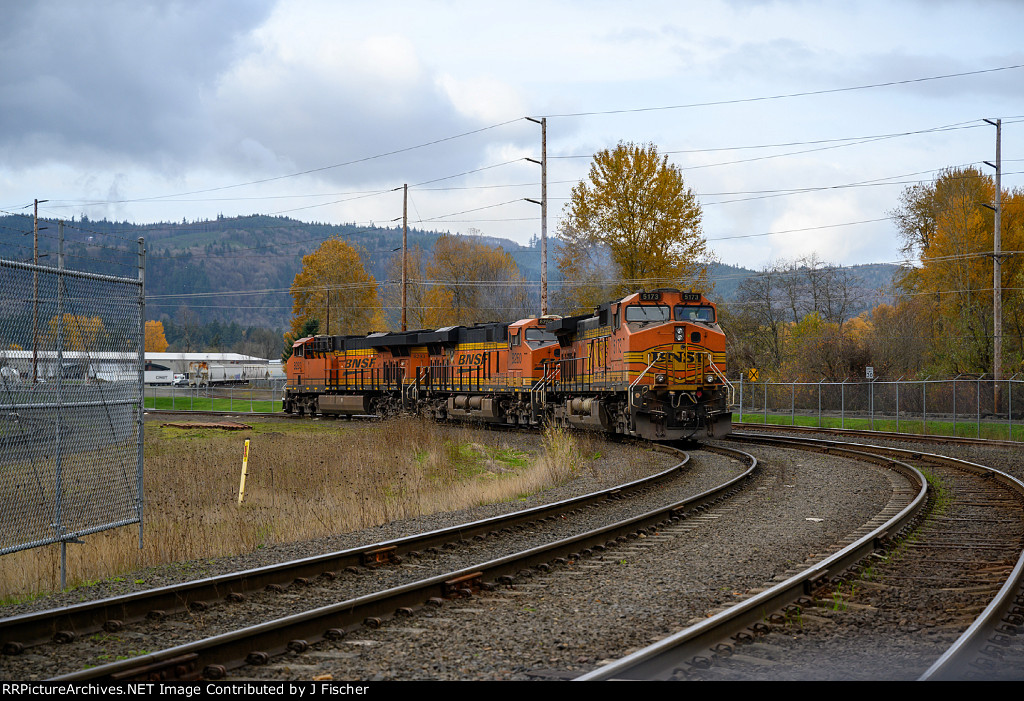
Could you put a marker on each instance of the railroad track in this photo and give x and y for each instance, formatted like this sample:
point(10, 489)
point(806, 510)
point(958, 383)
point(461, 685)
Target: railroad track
point(933, 593)
point(288, 643)
point(876, 435)
point(33, 637)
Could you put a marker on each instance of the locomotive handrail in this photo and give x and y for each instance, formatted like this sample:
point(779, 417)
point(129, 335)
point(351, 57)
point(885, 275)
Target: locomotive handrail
point(640, 377)
point(547, 376)
point(721, 376)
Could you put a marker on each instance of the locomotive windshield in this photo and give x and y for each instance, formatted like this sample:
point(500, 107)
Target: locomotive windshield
point(535, 337)
point(705, 314)
point(647, 312)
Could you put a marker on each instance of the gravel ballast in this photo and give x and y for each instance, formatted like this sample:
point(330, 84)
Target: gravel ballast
point(563, 623)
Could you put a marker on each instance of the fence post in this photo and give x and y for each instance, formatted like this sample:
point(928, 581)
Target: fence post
point(766, 402)
point(898, 404)
point(58, 454)
point(842, 404)
point(141, 340)
point(978, 406)
point(924, 406)
point(954, 404)
point(819, 401)
point(741, 397)
point(871, 403)
point(792, 403)
point(1009, 409)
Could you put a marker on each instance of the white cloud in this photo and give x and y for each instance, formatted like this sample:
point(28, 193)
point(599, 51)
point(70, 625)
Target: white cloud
point(482, 98)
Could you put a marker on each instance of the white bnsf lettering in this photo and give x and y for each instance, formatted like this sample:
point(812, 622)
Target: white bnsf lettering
point(675, 357)
point(471, 358)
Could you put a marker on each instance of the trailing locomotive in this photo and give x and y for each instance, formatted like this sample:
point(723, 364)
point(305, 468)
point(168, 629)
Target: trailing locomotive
point(650, 365)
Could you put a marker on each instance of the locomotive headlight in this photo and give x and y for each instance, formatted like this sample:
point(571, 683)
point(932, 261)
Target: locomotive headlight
point(660, 379)
point(680, 333)
point(710, 379)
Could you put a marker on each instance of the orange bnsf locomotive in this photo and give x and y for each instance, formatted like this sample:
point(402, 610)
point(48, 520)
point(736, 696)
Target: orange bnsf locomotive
point(650, 365)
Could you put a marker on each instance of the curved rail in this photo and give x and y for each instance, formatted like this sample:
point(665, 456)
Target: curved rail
point(20, 632)
point(213, 656)
point(967, 656)
point(659, 661)
point(892, 435)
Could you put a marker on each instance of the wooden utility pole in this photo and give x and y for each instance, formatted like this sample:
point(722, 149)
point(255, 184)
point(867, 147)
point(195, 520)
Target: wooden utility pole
point(543, 121)
point(405, 245)
point(997, 274)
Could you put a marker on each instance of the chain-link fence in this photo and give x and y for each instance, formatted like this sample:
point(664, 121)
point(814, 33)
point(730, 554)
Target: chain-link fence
point(70, 403)
point(961, 406)
point(252, 397)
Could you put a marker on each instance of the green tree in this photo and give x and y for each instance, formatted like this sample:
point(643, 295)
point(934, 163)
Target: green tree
point(310, 327)
point(635, 217)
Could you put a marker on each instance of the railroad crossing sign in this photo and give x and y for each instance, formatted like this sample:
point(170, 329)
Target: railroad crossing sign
point(752, 375)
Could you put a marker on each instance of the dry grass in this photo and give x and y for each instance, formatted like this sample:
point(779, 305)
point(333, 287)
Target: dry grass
point(305, 481)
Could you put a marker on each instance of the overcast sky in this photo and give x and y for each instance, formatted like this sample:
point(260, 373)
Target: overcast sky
point(156, 111)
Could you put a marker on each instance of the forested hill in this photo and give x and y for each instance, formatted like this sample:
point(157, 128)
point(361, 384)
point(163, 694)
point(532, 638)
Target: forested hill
point(873, 282)
point(258, 257)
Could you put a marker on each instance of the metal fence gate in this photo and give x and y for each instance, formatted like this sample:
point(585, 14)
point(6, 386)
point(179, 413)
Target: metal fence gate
point(71, 377)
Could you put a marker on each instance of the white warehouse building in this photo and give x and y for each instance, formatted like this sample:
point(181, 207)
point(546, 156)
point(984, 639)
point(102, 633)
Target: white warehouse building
point(161, 368)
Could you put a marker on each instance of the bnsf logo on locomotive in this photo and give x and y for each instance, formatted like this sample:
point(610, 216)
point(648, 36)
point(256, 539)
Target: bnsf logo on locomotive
point(471, 358)
point(358, 363)
point(678, 357)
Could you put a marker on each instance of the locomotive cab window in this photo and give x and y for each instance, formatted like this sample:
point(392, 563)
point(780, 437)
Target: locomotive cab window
point(535, 338)
point(647, 313)
point(704, 314)
point(513, 339)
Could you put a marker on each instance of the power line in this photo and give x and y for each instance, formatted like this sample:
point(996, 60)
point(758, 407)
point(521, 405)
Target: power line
point(320, 169)
point(786, 96)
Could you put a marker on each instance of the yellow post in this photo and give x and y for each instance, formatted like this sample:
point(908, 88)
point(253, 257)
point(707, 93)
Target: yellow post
point(245, 471)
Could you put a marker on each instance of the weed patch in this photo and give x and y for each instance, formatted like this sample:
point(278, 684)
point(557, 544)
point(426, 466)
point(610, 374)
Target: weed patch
point(306, 479)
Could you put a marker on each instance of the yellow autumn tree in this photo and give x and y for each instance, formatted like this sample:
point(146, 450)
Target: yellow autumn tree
point(156, 342)
point(472, 282)
point(632, 221)
point(947, 224)
point(80, 333)
point(334, 288)
point(417, 314)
